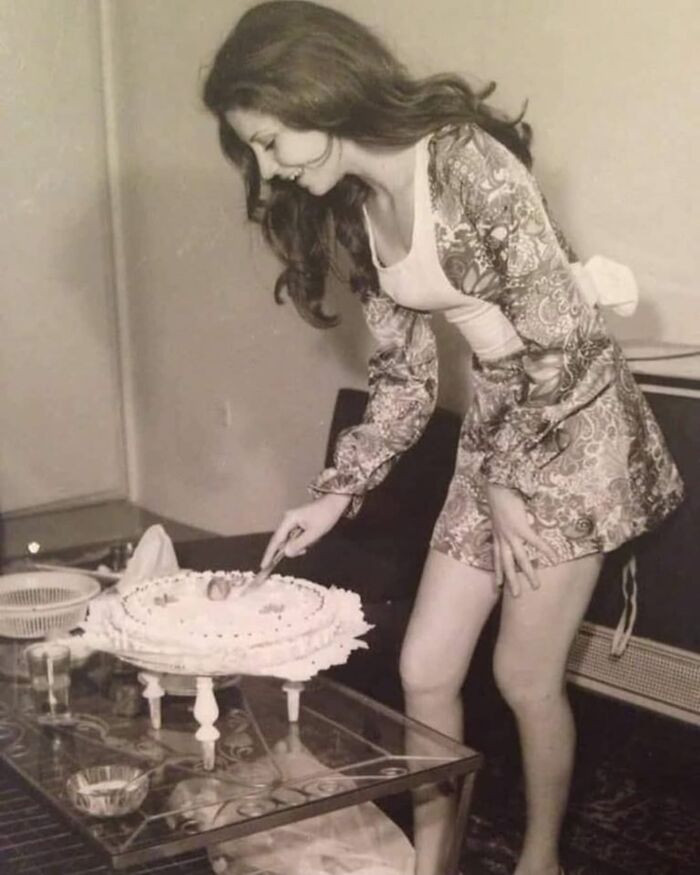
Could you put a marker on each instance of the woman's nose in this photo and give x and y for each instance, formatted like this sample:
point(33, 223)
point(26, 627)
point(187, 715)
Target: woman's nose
point(267, 165)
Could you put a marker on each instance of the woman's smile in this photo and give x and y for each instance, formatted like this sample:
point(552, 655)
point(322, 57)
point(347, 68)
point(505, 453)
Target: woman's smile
point(308, 158)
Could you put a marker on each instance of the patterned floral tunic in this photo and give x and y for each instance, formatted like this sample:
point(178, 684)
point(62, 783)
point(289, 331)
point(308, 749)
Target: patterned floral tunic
point(561, 420)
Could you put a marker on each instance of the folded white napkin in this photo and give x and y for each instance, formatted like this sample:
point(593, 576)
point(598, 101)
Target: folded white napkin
point(607, 283)
point(154, 556)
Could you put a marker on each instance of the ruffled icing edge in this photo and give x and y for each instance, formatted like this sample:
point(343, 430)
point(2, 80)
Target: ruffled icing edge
point(100, 633)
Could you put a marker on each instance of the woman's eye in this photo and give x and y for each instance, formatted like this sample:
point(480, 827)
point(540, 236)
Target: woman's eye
point(268, 147)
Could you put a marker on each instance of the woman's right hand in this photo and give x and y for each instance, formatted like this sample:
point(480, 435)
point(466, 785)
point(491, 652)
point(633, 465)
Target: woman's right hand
point(313, 519)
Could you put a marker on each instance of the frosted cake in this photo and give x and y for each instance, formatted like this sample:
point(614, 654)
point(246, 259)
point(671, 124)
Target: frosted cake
point(289, 626)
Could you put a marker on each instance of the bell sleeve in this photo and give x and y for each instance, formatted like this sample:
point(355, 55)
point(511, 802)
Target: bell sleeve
point(567, 358)
point(402, 395)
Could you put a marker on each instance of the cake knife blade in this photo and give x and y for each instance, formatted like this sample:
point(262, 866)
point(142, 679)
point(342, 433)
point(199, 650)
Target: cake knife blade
point(267, 570)
point(219, 588)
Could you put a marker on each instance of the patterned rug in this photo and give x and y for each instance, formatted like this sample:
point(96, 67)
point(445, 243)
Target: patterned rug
point(635, 802)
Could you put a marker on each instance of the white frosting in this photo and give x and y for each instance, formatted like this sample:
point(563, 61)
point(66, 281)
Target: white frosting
point(176, 610)
point(169, 624)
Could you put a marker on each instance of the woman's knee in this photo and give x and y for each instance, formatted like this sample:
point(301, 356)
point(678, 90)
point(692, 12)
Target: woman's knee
point(524, 685)
point(424, 675)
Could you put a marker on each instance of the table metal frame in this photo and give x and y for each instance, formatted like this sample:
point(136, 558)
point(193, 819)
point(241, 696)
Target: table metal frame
point(452, 764)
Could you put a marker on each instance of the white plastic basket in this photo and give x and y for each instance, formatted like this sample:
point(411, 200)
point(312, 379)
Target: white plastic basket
point(37, 602)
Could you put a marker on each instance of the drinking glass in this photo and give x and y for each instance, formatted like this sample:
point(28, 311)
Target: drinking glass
point(49, 675)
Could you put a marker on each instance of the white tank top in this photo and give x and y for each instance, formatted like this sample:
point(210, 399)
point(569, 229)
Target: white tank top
point(418, 282)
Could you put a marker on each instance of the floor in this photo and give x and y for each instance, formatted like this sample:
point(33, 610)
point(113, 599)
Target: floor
point(635, 801)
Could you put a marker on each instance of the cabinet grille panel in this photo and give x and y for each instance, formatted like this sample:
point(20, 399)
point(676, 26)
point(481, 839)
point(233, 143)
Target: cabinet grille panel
point(656, 676)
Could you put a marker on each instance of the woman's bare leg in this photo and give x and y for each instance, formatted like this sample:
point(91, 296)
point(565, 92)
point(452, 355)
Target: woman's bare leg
point(536, 633)
point(453, 602)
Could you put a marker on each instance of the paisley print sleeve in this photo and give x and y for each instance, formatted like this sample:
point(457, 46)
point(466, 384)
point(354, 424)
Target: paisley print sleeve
point(402, 395)
point(568, 358)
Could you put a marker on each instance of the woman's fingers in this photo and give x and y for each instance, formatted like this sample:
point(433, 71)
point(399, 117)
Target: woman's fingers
point(511, 562)
point(509, 568)
point(515, 539)
point(497, 568)
point(298, 539)
point(304, 525)
point(528, 534)
point(279, 537)
point(524, 563)
point(542, 546)
point(271, 549)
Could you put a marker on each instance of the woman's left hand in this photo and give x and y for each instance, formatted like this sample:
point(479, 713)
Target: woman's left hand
point(512, 531)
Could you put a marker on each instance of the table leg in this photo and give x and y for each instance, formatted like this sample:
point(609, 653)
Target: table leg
point(293, 690)
point(153, 692)
point(460, 824)
point(206, 712)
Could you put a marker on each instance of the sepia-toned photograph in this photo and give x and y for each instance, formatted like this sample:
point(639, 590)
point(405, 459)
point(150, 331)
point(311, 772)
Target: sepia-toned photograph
point(349, 437)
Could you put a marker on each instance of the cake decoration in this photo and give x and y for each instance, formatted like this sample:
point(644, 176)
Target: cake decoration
point(288, 627)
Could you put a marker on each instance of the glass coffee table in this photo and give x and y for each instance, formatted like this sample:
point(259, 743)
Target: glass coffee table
point(345, 750)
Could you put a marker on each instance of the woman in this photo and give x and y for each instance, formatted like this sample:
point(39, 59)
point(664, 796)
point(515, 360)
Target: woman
point(429, 191)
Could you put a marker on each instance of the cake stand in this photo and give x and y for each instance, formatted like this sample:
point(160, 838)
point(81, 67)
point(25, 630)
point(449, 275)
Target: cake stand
point(206, 708)
point(104, 630)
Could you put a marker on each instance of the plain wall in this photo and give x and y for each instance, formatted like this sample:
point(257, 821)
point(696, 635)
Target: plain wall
point(60, 416)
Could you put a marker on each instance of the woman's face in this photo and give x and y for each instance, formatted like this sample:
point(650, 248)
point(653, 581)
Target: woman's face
point(311, 159)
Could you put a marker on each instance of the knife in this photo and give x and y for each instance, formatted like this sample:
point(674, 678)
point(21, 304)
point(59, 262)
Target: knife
point(219, 588)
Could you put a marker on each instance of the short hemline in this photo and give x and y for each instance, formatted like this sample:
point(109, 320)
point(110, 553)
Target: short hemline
point(445, 547)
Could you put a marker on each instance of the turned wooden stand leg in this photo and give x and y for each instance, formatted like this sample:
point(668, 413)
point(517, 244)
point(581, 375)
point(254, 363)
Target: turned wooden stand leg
point(206, 712)
point(153, 692)
point(293, 690)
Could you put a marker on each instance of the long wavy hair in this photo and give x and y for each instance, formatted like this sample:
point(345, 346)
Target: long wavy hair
point(314, 68)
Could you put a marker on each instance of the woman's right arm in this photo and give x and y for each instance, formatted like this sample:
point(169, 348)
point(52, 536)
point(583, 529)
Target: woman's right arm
point(402, 395)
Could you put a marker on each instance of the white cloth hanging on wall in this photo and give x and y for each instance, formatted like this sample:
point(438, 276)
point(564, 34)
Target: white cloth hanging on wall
point(608, 284)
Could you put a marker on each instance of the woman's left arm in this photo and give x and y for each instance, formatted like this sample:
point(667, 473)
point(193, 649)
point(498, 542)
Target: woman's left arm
point(567, 359)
